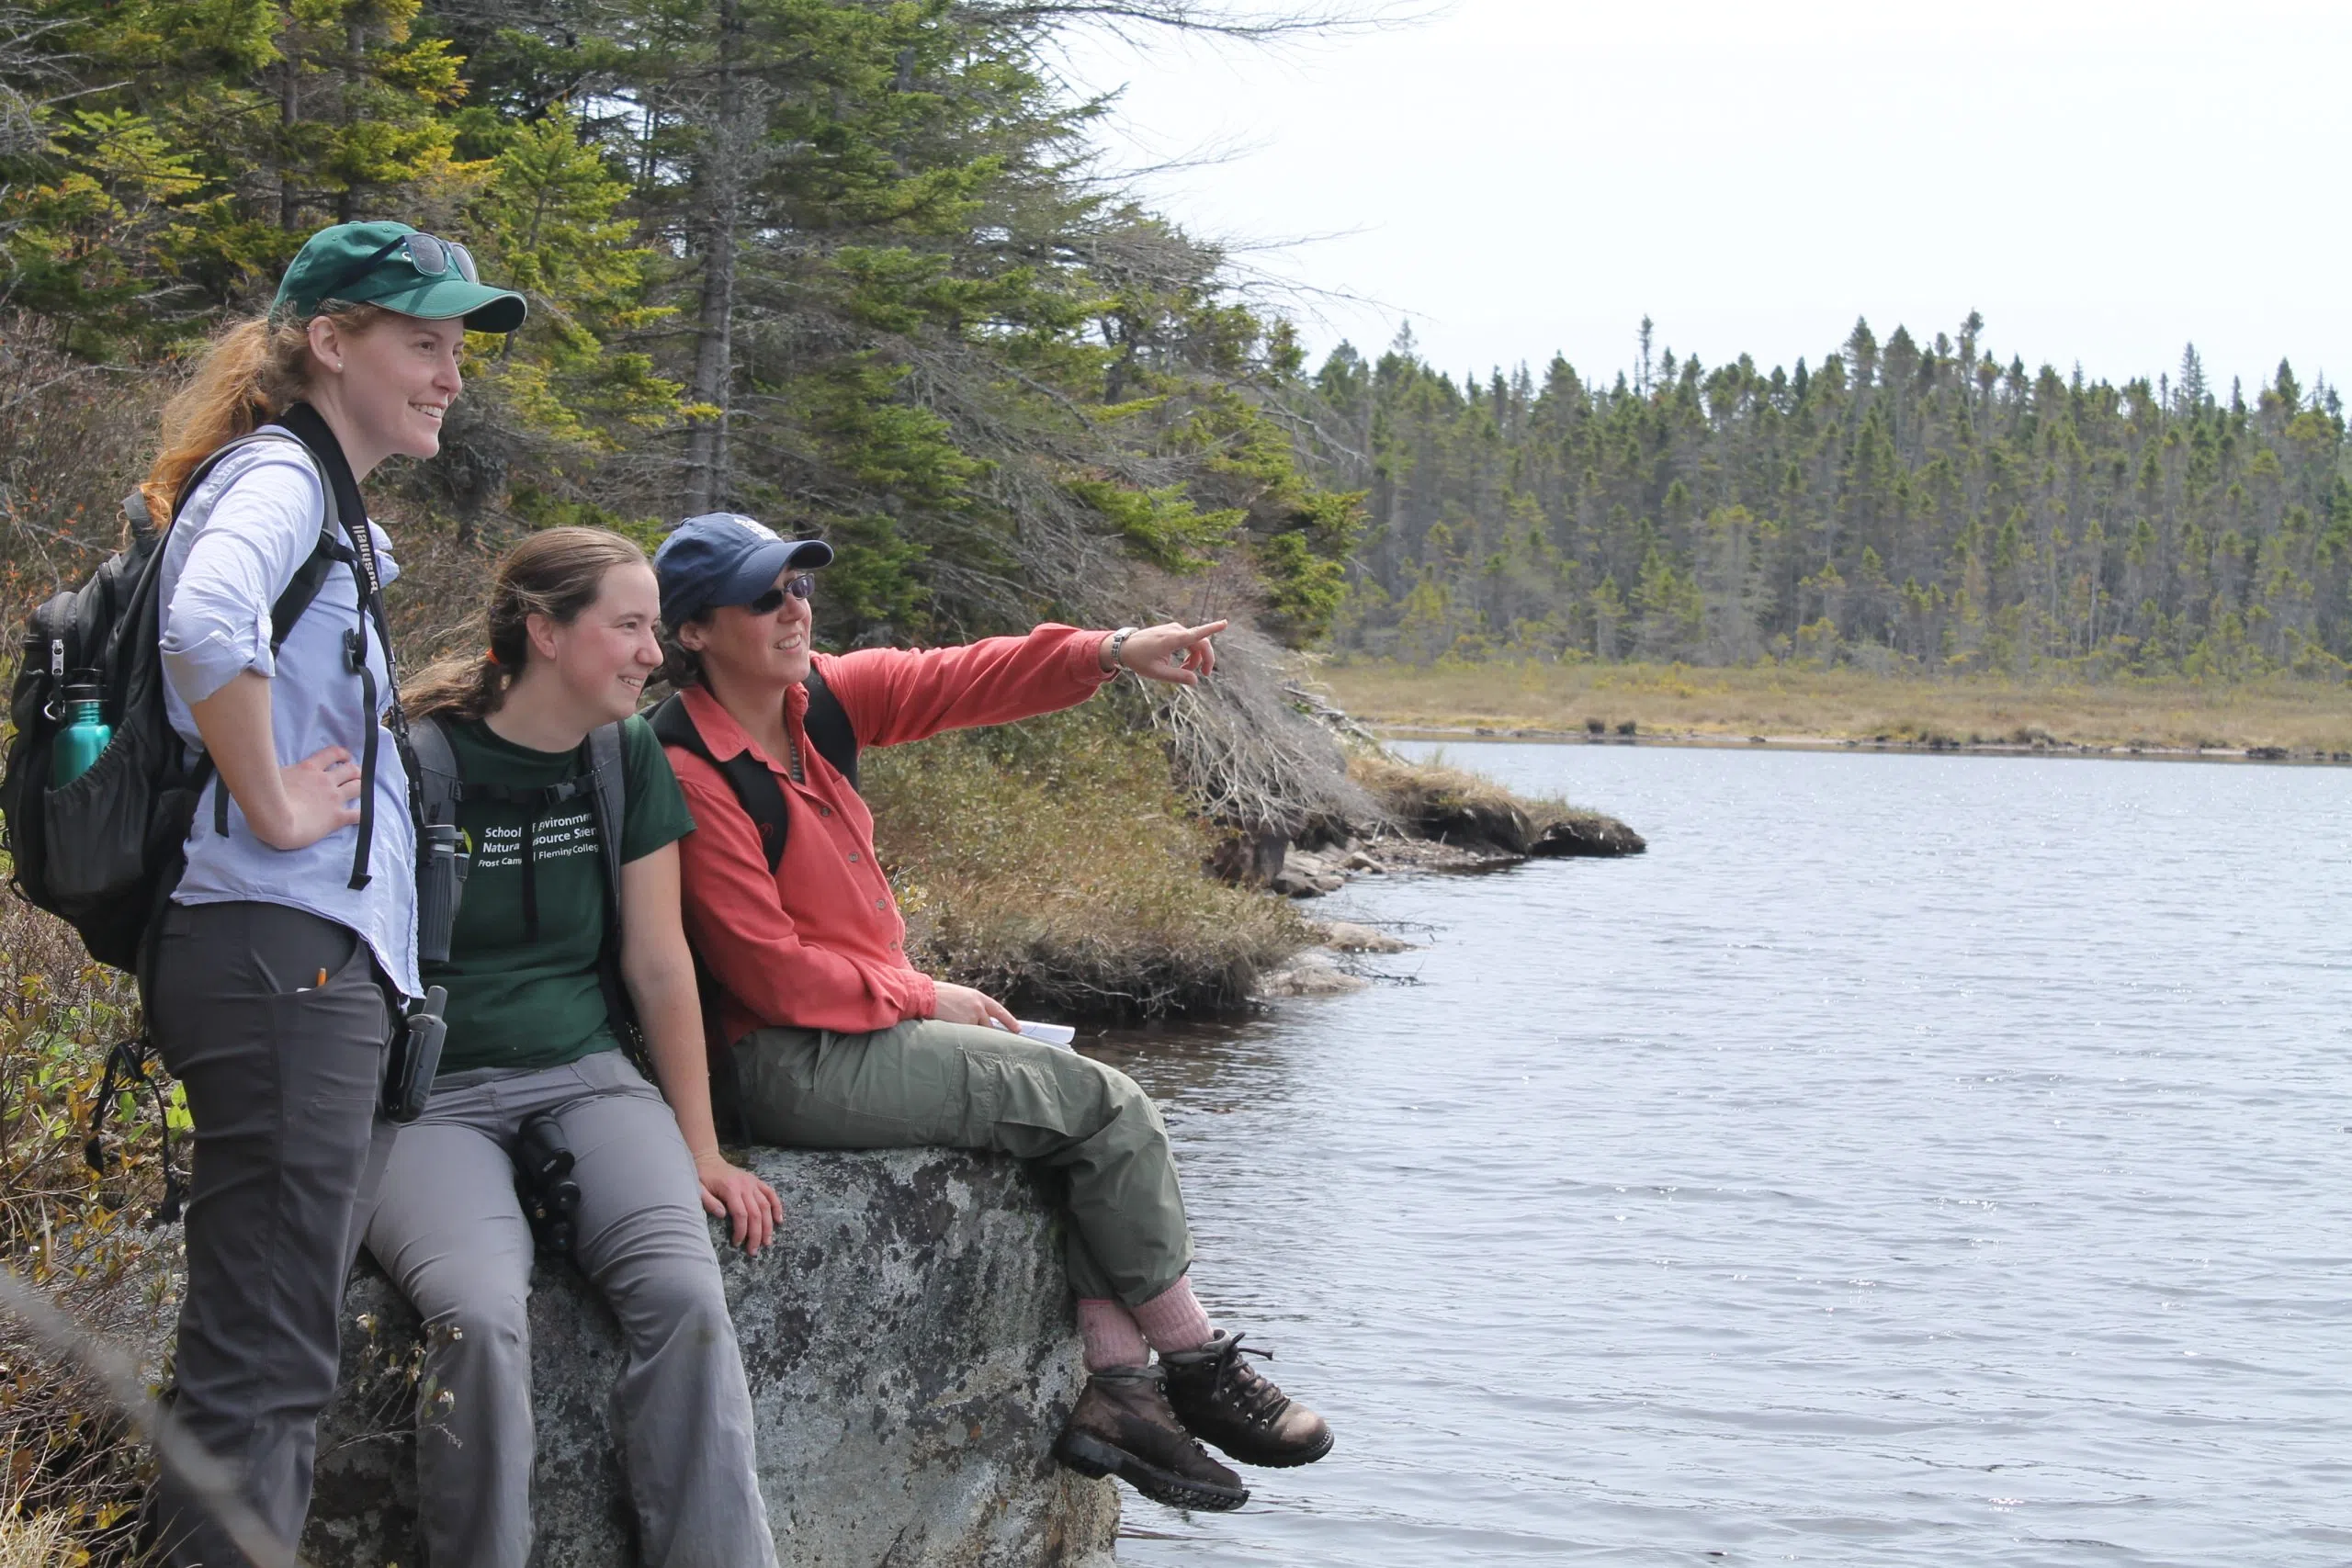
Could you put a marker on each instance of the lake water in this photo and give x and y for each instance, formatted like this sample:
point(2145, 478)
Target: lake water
point(1910, 1161)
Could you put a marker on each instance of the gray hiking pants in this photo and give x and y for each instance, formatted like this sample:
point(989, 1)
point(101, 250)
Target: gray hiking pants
point(282, 1076)
point(1088, 1127)
point(450, 1232)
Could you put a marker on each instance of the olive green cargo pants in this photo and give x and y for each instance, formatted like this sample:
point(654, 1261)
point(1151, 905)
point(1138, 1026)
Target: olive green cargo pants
point(925, 1084)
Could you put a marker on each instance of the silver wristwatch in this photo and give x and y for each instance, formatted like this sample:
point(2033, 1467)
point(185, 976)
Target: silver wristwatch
point(1118, 644)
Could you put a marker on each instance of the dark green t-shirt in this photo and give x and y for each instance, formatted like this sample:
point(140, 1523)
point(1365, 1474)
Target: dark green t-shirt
point(515, 1002)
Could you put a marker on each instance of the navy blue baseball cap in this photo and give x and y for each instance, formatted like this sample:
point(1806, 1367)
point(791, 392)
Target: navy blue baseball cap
point(725, 558)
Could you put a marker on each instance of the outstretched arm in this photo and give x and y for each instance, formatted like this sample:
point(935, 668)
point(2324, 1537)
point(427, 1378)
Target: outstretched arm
point(893, 695)
point(660, 974)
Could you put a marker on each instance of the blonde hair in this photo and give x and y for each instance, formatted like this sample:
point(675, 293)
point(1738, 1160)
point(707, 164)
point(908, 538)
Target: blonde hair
point(253, 372)
point(556, 573)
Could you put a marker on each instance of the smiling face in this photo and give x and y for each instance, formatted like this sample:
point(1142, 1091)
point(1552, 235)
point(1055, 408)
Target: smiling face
point(746, 650)
point(601, 658)
point(390, 383)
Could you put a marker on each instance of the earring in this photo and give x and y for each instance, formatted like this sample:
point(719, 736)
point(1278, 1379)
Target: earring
point(338, 366)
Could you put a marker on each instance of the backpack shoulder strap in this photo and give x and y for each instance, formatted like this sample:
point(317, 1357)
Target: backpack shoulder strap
point(220, 453)
point(827, 724)
point(608, 800)
point(756, 788)
point(439, 786)
point(300, 588)
point(608, 794)
point(311, 575)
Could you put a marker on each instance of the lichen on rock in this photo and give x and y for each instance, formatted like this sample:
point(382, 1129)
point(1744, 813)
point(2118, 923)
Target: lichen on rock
point(911, 1349)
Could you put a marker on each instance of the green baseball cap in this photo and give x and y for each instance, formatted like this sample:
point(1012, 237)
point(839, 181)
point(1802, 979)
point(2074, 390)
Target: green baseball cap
point(391, 264)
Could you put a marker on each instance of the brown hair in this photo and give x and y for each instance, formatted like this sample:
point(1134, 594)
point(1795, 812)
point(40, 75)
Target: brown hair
point(252, 373)
point(681, 665)
point(556, 573)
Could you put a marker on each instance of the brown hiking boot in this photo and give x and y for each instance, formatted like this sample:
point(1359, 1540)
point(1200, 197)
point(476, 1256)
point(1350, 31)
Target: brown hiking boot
point(1223, 1400)
point(1122, 1426)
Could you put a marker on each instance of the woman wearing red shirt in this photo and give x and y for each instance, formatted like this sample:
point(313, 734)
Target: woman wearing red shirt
point(840, 1042)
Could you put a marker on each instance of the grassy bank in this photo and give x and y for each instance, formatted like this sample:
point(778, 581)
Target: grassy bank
point(1054, 863)
point(1786, 701)
point(1431, 798)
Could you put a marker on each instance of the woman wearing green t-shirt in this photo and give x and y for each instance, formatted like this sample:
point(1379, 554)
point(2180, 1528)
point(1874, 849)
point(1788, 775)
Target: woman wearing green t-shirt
point(572, 640)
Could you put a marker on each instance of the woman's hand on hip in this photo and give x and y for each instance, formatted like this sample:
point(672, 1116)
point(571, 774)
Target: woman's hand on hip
point(320, 794)
point(961, 1004)
point(751, 1206)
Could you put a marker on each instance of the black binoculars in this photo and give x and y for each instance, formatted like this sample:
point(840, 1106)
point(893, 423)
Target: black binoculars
point(543, 1180)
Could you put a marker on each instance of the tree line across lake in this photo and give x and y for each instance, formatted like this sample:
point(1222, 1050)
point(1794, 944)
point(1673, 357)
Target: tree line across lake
point(1905, 506)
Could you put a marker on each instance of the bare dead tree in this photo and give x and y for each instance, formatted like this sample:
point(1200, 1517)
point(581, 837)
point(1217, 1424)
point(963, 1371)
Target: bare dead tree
point(1219, 18)
point(731, 160)
point(1248, 753)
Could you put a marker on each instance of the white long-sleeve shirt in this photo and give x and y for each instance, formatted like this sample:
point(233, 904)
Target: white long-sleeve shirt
point(236, 545)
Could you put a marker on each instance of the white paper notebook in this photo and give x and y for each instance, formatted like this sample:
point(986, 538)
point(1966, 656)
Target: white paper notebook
point(1060, 1034)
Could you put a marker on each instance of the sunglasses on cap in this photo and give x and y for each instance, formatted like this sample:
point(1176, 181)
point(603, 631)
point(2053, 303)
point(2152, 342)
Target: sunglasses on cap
point(800, 585)
point(429, 253)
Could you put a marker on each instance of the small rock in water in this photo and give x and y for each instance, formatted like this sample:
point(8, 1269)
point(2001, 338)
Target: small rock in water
point(1595, 836)
point(1311, 974)
point(1346, 936)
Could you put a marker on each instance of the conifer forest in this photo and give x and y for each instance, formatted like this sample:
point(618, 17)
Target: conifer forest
point(1906, 507)
point(843, 264)
point(852, 265)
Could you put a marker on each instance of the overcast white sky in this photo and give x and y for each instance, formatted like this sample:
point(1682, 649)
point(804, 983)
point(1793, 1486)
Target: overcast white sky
point(2104, 180)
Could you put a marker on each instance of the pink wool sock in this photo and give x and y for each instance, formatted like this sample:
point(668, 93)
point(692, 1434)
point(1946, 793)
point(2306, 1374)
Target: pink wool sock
point(1174, 1320)
point(1110, 1334)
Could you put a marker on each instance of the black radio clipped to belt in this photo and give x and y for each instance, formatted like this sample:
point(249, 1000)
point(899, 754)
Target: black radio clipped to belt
point(414, 1057)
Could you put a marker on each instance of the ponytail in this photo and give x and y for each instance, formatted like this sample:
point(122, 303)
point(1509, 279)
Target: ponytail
point(556, 573)
point(253, 372)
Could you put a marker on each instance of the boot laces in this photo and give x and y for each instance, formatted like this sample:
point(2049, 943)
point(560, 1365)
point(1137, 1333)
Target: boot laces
point(1260, 1402)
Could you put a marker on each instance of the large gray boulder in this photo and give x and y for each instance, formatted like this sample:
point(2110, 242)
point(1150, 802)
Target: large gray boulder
point(912, 1354)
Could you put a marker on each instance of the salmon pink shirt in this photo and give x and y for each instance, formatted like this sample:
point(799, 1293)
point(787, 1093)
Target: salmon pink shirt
point(819, 943)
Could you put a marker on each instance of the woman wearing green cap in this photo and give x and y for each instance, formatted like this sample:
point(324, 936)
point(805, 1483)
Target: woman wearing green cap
point(277, 976)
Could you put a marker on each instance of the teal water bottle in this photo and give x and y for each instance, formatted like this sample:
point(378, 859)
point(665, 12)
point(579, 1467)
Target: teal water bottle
point(85, 736)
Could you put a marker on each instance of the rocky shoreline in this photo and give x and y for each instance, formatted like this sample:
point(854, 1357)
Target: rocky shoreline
point(911, 1349)
point(1440, 821)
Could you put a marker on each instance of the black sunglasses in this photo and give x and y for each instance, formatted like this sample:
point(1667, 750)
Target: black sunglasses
point(800, 586)
point(429, 253)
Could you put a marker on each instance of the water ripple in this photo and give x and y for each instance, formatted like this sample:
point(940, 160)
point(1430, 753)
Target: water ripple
point(1911, 1160)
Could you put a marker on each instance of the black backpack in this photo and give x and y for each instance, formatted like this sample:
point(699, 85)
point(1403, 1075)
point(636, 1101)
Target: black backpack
point(103, 852)
point(830, 736)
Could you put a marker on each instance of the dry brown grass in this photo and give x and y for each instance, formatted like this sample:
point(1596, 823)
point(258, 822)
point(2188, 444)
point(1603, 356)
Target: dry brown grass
point(1054, 863)
point(1787, 702)
point(65, 1462)
point(1411, 791)
point(73, 438)
point(1432, 798)
point(36, 1539)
